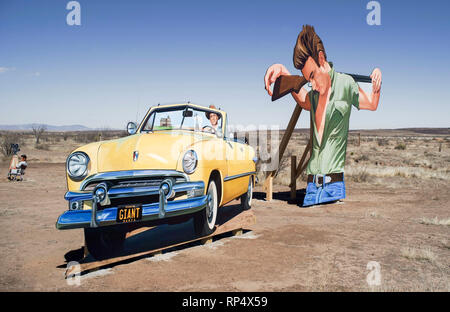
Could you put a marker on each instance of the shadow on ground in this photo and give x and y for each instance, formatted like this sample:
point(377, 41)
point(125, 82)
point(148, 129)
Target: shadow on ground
point(284, 196)
point(161, 236)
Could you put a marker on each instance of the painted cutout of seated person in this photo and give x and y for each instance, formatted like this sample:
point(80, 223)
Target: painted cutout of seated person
point(17, 167)
point(330, 102)
point(18, 163)
point(23, 162)
point(215, 126)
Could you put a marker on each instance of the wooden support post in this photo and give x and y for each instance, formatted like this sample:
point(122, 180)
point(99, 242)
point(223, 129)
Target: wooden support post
point(289, 130)
point(304, 166)
point(284, 142)
point(305, 153)
point(300, 170)
point(293, 177)
point(268, 186)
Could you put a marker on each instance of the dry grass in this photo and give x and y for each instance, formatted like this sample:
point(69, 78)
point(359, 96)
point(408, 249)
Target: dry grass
point(400, 171)
point(8, 138)
point(322, 278)
point(373, 214)
point(366, 174)
point(439, 285)
point(386, 157)
point(435, 221)
point(54, 147)
point(375, 160)
point(360, 158)
point(43, 147)
point(359, 175)
point(283, 178)
point(418, 254)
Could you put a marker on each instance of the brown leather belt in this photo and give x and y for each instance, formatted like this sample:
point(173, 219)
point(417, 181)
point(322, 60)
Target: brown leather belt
point(335, 177)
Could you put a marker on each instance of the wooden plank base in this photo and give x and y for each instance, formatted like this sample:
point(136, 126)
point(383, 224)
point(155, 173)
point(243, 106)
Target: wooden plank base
point(206, 241)
point(236, 225)
point(237, 232)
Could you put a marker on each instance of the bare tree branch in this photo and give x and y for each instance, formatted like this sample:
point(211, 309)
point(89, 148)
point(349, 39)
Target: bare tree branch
point(38, 130)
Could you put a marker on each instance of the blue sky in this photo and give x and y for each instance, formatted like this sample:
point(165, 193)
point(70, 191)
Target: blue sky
point(129, 55)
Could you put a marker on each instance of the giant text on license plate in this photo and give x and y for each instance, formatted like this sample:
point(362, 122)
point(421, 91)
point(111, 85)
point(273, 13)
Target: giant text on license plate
point(129, 213)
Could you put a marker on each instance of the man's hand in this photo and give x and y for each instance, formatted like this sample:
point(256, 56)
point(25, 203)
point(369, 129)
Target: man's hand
point(376, 80)
point(275, 71)
point(272, 73)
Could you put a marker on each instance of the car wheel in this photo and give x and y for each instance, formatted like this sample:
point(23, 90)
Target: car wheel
point(104, 243)
point(246, 199)
point(205, 220)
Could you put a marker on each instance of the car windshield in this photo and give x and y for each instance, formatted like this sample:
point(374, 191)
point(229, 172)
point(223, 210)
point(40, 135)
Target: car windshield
point(184, 118)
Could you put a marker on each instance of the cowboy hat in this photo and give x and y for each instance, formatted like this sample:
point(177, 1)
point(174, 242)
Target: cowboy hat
point(207, 113)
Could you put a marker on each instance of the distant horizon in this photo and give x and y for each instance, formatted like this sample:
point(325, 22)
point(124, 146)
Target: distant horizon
point(86, 128)
point(125, 57)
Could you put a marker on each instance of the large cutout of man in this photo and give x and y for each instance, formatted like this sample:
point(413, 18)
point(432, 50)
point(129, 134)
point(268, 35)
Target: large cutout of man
point(329, 102)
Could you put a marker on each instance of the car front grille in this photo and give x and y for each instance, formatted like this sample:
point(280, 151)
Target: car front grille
point(146, 182)
point(154, 181)
point(137, 182)
point(131, 201)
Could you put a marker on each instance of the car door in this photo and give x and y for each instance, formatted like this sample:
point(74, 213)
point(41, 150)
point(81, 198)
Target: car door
point(236, 182)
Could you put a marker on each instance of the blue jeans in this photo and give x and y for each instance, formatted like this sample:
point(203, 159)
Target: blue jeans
point(317, 194)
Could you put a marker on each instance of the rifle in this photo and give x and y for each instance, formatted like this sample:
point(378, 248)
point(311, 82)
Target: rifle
point(285, 84)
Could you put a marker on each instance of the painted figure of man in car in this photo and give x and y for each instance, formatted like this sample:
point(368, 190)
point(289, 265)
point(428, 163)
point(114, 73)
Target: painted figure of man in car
point(214, 120)
point(330, 101)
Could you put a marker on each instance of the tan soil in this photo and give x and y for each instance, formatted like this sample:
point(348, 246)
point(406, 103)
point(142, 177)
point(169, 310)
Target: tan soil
point(325, 247)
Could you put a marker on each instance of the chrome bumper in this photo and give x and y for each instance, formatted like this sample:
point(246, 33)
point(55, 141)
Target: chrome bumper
point(162, 209)
point(73, 219)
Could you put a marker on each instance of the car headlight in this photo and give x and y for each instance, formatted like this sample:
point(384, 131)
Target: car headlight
point(190, 161)
point(77, 165)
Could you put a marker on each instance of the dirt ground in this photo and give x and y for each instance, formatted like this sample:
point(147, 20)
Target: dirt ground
point(323, 248)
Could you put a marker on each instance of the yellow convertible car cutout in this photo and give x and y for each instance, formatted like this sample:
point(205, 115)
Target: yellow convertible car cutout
point(181, 162)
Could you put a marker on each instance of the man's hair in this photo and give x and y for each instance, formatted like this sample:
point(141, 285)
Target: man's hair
point(308, 44)
point(24, 156)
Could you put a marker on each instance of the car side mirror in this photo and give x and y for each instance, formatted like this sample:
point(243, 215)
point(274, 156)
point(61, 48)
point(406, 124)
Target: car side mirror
point(131, 128)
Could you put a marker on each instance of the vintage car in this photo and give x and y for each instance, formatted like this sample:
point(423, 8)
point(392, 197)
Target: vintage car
point(172, 167)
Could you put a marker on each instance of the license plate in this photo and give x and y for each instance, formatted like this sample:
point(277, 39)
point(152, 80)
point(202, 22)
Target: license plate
point(129, 213)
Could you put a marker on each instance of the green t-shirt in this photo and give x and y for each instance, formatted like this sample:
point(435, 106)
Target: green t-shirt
point(329, 156)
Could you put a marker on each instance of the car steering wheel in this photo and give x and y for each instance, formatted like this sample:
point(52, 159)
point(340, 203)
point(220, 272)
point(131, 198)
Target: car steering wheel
point(211, 129)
